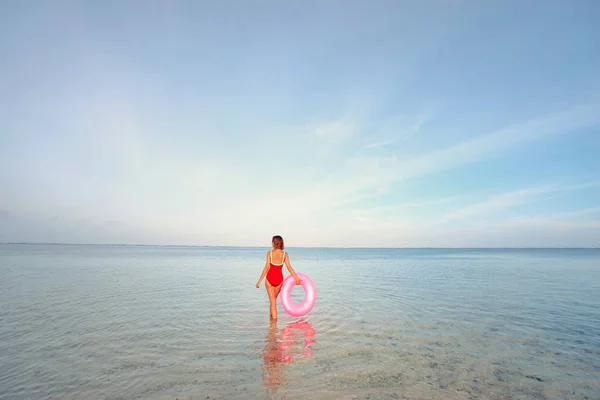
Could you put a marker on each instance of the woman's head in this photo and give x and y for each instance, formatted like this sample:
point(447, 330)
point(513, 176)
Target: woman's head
point(278, 242)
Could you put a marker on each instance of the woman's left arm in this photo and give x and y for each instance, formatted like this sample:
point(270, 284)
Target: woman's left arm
point(289, 267)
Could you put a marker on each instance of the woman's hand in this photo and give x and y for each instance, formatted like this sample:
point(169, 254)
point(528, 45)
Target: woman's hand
point(257, 284)
point(298, 280)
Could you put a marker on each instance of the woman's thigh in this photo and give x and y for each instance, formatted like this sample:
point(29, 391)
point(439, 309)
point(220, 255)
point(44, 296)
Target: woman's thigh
point(270, 291)
point(277, 290)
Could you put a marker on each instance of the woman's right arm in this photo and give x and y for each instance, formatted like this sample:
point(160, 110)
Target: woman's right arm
point(264, 272)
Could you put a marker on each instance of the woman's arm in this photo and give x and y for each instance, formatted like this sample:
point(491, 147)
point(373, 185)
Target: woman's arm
point(289, 267)
point(264, 272)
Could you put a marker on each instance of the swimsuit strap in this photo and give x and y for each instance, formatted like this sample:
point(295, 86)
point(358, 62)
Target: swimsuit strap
point(271, 256)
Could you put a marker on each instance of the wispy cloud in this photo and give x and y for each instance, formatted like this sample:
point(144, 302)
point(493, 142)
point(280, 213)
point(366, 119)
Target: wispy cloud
point(552, 222)
point(560, 220)
point(393, 209)
point(578, 213)
point(511, 199)
point(369, 173)
point(287, 133)
point(493, 144)
point(522, 232)
point(340, 128)
point(497, 203)
point(332, 133)
point(361, 178)
point(192, 194)
point(399, 132)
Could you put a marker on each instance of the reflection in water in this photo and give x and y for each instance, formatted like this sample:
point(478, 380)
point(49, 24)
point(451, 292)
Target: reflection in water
point(292, 344)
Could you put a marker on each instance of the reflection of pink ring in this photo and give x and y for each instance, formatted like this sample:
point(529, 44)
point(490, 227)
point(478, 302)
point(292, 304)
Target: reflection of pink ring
point(310, 295)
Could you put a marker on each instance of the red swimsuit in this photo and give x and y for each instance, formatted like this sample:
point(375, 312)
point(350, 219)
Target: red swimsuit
point(274, 276)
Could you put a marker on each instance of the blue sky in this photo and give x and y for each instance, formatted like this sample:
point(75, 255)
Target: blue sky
point(332, 123)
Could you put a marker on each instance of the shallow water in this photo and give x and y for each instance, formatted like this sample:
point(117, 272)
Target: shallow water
point(142, 322)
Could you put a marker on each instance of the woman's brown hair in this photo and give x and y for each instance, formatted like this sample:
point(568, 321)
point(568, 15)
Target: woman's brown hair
point(278, 242)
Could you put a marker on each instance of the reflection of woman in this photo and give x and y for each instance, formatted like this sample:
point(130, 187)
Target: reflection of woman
point(273, 357)
point(277, 353)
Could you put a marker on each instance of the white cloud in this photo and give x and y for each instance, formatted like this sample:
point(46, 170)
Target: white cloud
point(551, 222)
point(178, 197)
point(391, 211)
point(118, 123)
point(578, 213)
point(497, 203)
point(306, 210)
point(334, 132)
point(511, 199)
point(360, 177)
point(399, 131)
point(485, 147)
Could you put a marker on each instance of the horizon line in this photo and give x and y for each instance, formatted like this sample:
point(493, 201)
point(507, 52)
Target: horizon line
point(304, 247)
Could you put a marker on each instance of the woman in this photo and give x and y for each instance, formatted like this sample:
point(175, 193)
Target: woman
point(272, 270)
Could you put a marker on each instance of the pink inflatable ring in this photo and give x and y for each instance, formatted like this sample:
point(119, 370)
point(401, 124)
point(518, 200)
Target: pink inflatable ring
point(310, 295)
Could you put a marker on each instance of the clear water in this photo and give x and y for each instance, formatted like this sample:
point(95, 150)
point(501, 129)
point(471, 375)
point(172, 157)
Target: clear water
point(128, 322)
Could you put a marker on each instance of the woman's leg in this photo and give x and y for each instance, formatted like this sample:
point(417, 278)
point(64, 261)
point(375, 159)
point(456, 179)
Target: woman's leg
point(277, 290)
point(272, 299)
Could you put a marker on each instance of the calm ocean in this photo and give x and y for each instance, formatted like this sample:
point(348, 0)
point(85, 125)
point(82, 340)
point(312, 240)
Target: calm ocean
point(143, 322)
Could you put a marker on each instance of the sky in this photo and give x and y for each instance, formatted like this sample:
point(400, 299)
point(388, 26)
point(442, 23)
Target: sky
point(437, 123)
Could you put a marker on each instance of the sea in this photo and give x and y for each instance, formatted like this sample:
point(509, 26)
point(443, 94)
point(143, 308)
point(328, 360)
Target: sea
point(170, 322)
